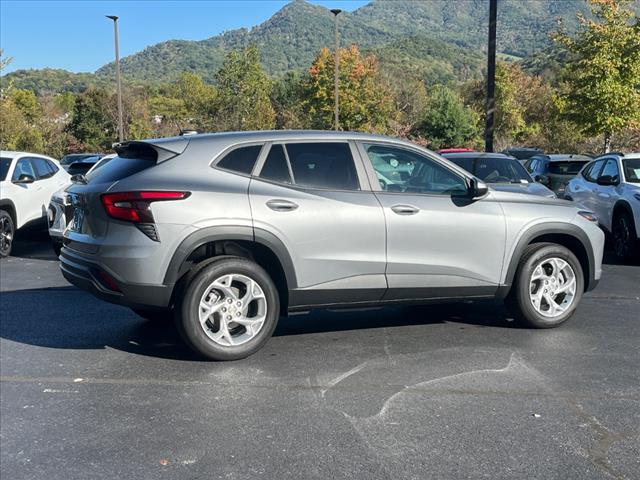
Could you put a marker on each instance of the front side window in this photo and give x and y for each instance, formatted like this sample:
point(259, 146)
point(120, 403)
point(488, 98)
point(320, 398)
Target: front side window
point(23, 167)
point(631, 169)
point(402, 170)
point(241, 159)
point(611, 170)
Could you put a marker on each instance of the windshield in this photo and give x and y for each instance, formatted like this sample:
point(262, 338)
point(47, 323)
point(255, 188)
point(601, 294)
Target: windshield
point(5, 163)
point(566, 168)
point(75, 157)
point(494, 169)
point(631, 169)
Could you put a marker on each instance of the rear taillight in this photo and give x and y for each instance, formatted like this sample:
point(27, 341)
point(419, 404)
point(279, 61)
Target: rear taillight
point(136, 207)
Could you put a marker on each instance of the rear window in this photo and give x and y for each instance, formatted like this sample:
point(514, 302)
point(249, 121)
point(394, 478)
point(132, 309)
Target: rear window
point(565, 168)
point(119, 168)
point(5, 163)
point(241, 159)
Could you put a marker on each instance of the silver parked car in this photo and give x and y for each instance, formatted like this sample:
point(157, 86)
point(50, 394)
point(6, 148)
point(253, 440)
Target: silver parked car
point(228, 231)
point(610, 186)
point(501, 171)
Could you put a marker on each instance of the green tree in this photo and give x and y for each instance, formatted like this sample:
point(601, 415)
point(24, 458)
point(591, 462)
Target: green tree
point(92, 123)
point(27, 102)
point(243, 101)
point(447, 122)
point(602, 85)
point(366, 102)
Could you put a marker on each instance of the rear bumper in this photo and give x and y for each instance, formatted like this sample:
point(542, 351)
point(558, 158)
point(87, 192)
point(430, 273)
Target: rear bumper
point(90, 276)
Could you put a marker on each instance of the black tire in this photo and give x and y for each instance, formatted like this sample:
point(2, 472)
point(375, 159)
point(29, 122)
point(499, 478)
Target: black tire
point(57, 248)
point(625, 240)
point(519, 302)
point(7, 232)
point(187, 310)
point(159, 315)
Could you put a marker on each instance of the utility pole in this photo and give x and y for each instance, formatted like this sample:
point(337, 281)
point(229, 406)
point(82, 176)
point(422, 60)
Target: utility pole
point(491, 77)
point(336, 122)
point(119, 84)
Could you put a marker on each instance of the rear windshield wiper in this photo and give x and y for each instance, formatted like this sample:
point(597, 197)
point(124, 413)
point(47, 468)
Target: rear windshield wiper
point(79, 178)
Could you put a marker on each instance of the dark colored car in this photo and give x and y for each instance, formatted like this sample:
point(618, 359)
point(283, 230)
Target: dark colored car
point(523, 153)
point(502, 172)
point(83, 166)
point(555, 171)
point(76, 157)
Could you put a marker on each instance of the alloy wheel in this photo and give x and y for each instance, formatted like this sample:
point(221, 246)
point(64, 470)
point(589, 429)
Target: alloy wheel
point(622, 237)
point(6, 236)
point(552, 287)
point(232, 310)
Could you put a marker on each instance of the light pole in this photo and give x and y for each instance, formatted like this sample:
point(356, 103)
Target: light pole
point(491, 77)
point(119, 84)
point(336, 12)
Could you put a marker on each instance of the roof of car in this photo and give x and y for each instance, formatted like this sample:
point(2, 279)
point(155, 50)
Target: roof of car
point(563, 157)
point(14, 154)
point(477, 155)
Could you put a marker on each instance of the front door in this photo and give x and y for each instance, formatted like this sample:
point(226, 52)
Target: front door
point(439, 243)
point(314, 198)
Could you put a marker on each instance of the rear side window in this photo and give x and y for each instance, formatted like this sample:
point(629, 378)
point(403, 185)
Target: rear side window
point(241, 159)
point(42, 168)
point(5, 163)
point(275, 166)
point(323, 165)
point(591, 172)
point(53, 167)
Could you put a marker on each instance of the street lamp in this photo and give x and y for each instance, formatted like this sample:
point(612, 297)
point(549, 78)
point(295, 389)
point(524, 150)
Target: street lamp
point(491, 77)
point(119, 85)
point(336, 12)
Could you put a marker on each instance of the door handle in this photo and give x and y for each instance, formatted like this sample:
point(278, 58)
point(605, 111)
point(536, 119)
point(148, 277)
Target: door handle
point(281, 205)
point(405, 209)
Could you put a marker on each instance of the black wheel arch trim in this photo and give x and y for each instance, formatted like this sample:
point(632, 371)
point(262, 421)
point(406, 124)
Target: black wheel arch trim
point(229, 233)
point(5, 202)
point(553, 228)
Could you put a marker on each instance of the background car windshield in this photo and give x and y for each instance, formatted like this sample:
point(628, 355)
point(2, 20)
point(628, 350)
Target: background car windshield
point(631, 169)
point(494, 169)
point(565, 168)
point(5, 163)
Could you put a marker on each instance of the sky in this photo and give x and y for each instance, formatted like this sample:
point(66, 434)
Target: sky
point(75, 35)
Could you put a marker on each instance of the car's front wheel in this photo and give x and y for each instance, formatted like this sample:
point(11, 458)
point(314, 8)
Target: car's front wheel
point(548, 286)
point(229, 309)
point(624, 236)
point(7, 230)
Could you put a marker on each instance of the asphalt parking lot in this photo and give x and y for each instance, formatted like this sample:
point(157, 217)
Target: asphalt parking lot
point(90, 390)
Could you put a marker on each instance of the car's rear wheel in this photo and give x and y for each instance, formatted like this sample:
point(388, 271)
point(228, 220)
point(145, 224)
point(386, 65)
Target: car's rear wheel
point(548, 286)
point(624, 236)
point(229, 309)
point(7, 230)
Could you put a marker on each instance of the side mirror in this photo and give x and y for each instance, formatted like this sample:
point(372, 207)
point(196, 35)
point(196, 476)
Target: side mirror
point(477, 188)
point(607, 180)
point(25, 178)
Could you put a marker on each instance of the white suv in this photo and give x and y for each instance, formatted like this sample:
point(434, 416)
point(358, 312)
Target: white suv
point(27, 181)
point(610, 187)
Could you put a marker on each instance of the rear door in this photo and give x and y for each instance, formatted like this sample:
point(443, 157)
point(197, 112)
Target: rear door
point(439, 243)
point(314, 197)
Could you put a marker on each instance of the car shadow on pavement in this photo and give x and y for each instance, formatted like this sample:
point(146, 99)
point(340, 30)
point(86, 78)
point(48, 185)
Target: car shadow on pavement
point(33, 242)
point(67, 318)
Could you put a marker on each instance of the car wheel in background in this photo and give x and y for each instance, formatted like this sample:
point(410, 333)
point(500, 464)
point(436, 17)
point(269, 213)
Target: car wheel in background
point(229, 309)
point(624, 236)
point(7, 231)
point(547, 287)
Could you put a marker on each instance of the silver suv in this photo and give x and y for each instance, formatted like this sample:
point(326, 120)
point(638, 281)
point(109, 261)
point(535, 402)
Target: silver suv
point(226, 232)
point(610, 186)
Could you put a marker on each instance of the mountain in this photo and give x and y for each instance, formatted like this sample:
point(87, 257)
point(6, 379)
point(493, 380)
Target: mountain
point(445, 37)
